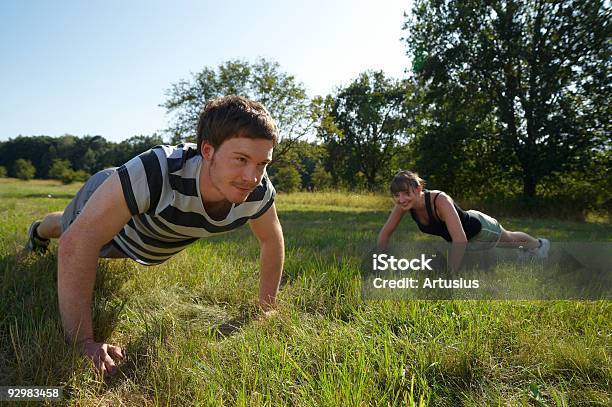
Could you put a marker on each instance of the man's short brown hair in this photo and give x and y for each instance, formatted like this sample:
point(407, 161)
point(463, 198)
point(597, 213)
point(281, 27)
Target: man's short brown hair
point(234, 116)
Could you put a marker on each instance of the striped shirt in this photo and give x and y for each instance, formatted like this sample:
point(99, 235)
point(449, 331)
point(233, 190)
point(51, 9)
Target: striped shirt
point(163, 194)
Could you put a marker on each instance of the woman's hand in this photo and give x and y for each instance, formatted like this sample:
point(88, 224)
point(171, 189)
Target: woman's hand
point(387, 230)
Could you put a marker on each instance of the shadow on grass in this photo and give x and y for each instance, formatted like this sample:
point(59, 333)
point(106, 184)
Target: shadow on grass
point(32, 346)
point(32, 350)
point(145, 353)
point(232, 326)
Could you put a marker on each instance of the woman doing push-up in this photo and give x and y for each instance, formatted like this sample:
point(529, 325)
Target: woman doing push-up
point(436, 213)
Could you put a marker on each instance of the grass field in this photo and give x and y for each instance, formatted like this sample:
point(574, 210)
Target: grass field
point(192, 334)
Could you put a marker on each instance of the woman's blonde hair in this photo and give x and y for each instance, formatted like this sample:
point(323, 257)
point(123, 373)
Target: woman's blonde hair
point(405, 181)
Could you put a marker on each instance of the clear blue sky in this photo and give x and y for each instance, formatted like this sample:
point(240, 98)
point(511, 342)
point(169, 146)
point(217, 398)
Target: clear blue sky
point(102, 67)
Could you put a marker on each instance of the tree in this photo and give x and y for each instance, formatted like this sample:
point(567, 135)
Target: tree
point(363, 125)
point(545, 67)
point(23, 169)
point(2, 172)
point(32, 149)
point(84, 155)
point(304, 157)
point(287, 179)
point(263, 81)
point(321, 179)
point(71, 176)
point(58, 168)
point(130, 148)
point(62, 170)
point(455, 144)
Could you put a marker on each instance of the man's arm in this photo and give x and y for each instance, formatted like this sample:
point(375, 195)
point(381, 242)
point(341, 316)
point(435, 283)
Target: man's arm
point(268, 231)
point(102, 218)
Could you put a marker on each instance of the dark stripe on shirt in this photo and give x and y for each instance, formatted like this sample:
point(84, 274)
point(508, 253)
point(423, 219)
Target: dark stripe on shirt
point(258, 193)
point(128, 193)
point(186, 186)
point(128, 250)
point(195, 220)
point(158, 243)
point(166, 228)
point(135, 245)
point(155, 178)
point(143, 219)
point(176, 164)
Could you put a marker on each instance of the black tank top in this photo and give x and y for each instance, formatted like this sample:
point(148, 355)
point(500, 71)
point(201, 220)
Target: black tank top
point(471, 224)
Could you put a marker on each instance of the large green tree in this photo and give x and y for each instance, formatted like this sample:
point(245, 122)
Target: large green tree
point(544, 66)
point(303, 157)
point(362, 126)
point(263, 81)
point(456, 143)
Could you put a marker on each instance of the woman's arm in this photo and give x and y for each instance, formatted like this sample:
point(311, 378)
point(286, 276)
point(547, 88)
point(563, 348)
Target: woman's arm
point(447, 213)
point(389, 227)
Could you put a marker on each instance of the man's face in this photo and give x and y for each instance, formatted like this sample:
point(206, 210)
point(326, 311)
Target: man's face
point(237, 166)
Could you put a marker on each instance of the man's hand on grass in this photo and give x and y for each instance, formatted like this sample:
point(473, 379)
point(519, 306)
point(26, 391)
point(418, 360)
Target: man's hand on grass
point(102, 354)
point(269, 314)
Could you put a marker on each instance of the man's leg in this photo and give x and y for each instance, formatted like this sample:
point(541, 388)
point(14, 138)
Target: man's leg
point(42, 230)
point(51, 226)
point(36, 243)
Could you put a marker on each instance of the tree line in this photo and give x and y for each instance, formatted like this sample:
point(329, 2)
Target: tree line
point(68, 157)
point(501, 99)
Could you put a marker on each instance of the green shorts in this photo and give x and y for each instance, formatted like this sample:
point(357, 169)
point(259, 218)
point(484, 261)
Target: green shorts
point(490, 232)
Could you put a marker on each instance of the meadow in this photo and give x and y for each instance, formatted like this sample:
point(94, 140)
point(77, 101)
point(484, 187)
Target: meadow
point(193, 336)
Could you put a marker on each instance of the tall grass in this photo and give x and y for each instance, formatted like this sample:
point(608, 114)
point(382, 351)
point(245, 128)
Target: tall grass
point(193, 335)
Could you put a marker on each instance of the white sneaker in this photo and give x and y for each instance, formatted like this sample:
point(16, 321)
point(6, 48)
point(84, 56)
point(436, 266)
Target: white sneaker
point(542, 251)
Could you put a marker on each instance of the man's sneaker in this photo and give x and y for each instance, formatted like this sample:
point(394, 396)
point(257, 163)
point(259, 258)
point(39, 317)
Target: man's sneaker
point(35, 243)
point(542, 251)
